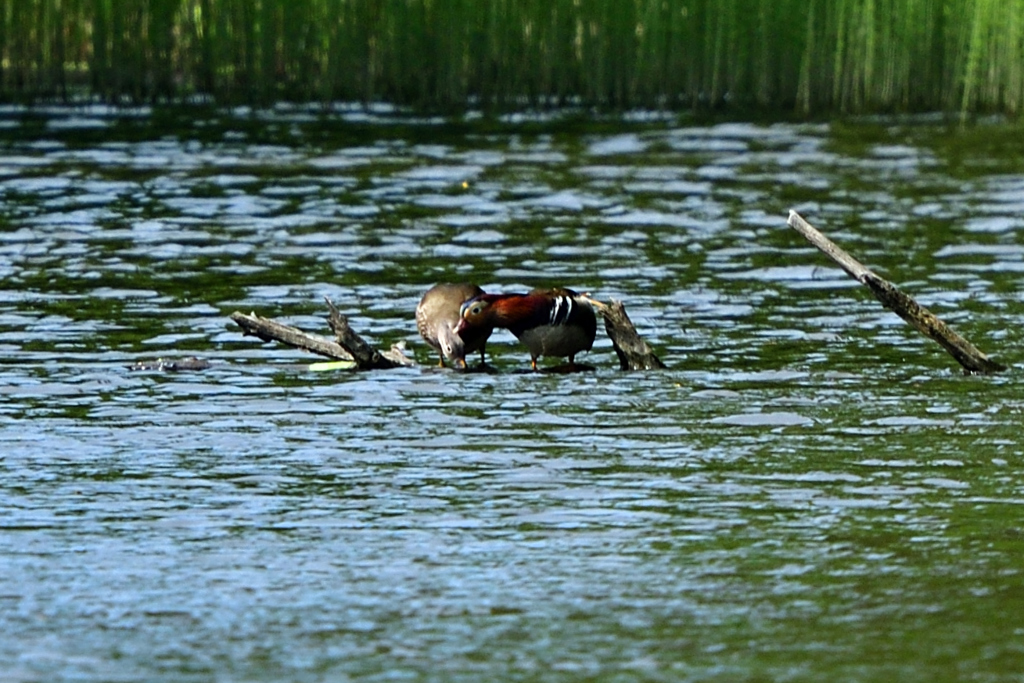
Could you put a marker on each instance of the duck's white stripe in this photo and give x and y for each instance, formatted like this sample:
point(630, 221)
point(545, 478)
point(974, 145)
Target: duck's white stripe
point(561, 309)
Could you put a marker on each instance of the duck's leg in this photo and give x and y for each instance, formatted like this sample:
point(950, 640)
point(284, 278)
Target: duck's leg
point(533, 363)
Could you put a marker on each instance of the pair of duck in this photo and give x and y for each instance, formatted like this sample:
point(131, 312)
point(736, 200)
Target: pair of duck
point(457, 319)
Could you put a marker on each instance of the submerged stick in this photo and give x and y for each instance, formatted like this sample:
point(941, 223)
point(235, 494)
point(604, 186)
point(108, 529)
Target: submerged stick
point(903, 305)
point(172, 364)
point(633, 352)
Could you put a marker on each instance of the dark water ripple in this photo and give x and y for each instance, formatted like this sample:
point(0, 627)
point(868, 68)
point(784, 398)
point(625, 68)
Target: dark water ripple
point(811, 491)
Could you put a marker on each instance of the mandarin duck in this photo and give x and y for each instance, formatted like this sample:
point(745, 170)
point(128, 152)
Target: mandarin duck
point(550, 322)
point(436, 317)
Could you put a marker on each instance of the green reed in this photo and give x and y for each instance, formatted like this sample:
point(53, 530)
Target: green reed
point(777, 55)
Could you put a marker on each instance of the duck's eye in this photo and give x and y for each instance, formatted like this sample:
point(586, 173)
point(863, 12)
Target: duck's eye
point(475, 309)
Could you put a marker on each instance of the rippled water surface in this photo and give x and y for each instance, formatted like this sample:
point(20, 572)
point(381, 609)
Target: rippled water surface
point(811, 491)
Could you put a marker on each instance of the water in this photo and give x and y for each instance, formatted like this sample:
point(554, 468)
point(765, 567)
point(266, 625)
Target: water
point(812, 491)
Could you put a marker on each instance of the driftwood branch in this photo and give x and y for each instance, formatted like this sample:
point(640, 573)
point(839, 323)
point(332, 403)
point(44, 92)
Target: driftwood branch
point(366, 356)
point(271, 330)
point(965, 353)
point(633, 352)
point(348, 346)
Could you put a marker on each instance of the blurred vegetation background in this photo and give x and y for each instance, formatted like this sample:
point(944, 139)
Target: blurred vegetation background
point(800, 56)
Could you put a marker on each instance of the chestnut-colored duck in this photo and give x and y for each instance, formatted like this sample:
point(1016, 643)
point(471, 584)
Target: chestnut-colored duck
point(437, 315)
point(550, 322)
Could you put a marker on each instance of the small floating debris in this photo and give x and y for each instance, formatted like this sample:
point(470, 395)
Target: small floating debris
point(172, 365)
point(331, 366)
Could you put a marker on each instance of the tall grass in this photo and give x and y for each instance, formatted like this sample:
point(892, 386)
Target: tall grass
point(781, 55)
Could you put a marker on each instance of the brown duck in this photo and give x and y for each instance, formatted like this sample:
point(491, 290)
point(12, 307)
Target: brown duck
point(437, 315)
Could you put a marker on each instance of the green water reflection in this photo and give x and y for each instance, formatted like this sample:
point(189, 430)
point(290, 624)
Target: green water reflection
point(812, 491)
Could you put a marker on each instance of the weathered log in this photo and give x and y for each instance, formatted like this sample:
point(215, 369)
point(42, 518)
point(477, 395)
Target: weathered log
point(965, 353)
point(634, 353)
point(271, 330)
point(366, 356)
point(347, 346)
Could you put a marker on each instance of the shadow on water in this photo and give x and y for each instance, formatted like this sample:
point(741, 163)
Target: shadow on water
point(810, 491)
